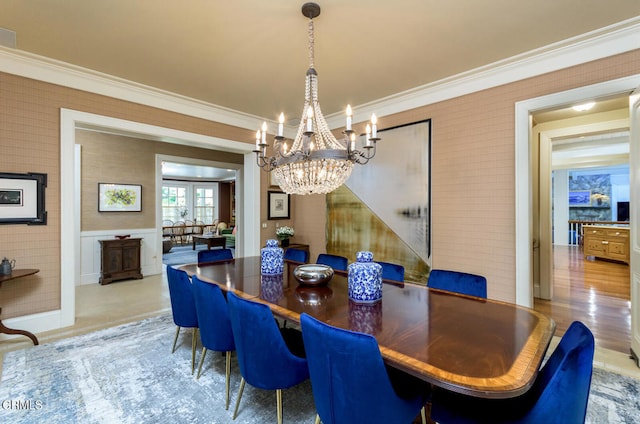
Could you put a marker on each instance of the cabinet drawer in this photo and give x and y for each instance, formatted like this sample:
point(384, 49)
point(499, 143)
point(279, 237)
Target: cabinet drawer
point(594, 231)
point(621, 233)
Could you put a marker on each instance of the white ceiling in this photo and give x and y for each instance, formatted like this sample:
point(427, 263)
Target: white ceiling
point(251, 56)
point(184, 171)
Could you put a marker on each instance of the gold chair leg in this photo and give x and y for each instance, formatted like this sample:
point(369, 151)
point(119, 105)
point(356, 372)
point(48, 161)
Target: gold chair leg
point(317, 419)
point(175, 339)
point(228, 373)
point(279, 405)
point(235, 413)
point(193, 349)
point(423, 415)
point(204, 353)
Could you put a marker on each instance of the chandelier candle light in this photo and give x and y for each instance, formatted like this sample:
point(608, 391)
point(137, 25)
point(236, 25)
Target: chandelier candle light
point(315, 162)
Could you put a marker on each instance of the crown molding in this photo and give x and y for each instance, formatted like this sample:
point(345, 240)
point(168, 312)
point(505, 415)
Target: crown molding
point(608, 41)
point(52, 71)
point(604, 42)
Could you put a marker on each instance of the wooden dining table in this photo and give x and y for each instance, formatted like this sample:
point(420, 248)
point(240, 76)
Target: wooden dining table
point(479, 347)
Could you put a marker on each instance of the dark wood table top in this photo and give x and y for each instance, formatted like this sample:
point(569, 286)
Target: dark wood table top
point(480, 347)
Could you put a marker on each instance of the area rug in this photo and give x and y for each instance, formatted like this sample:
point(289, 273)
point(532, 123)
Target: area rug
point(127, 374)
point(180, 255)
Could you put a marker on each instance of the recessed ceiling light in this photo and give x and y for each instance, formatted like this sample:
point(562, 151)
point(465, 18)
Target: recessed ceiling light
point(584, 106)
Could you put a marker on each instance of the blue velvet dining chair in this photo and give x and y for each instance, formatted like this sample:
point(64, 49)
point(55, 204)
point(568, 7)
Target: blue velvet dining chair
point(183, 307)
point(559, 395)
point(391, 271)
point(214, 323)
point(350, 381)
point(296, 255)
point(270, 358)
point(334, 261)
point(214, 255)
point(458, 282)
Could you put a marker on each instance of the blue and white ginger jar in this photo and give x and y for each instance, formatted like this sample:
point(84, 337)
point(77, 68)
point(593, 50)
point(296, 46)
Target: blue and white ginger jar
point(271, 258)
point(365, 279)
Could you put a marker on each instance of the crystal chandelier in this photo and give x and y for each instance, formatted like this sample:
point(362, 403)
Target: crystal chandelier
point(315, 162)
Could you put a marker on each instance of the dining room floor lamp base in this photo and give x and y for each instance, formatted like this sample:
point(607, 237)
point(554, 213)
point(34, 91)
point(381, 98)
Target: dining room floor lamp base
point(314, 162)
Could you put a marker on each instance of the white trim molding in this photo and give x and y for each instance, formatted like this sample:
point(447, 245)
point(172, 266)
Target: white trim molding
point(70, 192)
point(608, 41)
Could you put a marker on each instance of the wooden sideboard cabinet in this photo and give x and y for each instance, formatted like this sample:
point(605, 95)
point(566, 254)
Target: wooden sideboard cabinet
point(120, 259)
point(606, 242)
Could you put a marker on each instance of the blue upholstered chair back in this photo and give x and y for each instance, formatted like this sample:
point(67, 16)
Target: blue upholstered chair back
point(561, 391)
point(559, 394)
point(334, 261)
point(214, 255)
point(213, 316)
point(349, 379)
point(391, 271)
point(296, 255)
point(459, 282)
point(265, 360)
point(183, 306)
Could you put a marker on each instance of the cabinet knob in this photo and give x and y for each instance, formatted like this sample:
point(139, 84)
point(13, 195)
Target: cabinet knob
point(605, 242)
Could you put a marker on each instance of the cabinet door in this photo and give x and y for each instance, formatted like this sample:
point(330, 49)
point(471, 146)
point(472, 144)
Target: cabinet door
point(618, 250)
point(594, 247)
point(130, 258)
point(113, 256)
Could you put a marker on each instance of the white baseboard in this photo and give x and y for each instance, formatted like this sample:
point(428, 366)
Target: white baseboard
point(36, 323)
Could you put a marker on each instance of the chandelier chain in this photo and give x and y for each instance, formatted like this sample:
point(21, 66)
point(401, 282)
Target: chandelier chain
point(311, 45)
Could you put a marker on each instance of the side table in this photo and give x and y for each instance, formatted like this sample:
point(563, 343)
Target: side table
point(17, 273)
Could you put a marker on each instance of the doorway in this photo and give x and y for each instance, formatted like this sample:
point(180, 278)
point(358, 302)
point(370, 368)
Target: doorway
point(528, 245)
point(584, 176)
point(248, 192)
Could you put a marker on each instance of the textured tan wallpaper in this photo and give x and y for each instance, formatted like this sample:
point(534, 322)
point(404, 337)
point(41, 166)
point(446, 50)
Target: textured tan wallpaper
point(30, 142)
point(109, 158)
point(473, 169)
point(472, 174)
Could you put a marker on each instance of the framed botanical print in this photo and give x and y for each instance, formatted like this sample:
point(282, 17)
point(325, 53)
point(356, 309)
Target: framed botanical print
point(278, 204)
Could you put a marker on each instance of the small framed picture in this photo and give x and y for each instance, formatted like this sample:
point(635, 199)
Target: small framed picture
point(580, 198)
point(278, 204)
point(22, 198)
point(119, 197)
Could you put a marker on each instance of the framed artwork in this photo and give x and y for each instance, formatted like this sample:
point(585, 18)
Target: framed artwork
point(278, 204)
point(22, 198)
point(580, 198)
point(360, 215)
point(119, 197)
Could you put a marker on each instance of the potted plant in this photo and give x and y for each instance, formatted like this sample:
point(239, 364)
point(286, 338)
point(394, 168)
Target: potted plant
point(283, 234)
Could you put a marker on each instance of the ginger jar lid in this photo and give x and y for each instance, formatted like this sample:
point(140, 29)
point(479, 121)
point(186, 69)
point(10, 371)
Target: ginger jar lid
point(364, 256)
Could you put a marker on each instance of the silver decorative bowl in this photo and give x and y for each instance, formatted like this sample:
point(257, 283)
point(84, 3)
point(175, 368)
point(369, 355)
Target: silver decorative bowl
point(313, 274)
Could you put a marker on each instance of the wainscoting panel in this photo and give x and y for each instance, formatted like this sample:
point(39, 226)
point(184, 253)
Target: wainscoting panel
point(150, 258)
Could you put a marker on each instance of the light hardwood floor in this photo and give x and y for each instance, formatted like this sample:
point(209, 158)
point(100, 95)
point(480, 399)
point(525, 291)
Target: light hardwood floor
point(596, 292)
point(127, 301)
